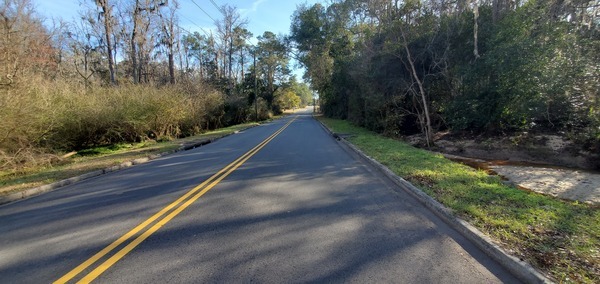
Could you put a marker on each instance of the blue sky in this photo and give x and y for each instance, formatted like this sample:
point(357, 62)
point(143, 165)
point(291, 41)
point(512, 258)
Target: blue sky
point(262, 15)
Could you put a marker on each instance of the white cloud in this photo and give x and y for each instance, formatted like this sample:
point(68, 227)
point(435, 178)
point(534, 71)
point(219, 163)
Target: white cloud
point(253, 9)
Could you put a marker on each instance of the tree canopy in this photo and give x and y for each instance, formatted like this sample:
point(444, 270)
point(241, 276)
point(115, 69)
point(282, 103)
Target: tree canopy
point(403, 67)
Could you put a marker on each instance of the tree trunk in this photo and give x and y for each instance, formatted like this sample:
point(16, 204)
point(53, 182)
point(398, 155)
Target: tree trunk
point(171, 49)
point(202, 65)
point(106, 9)
point(169, 30)
point(134, 67)
point(242, 63)
point(255, 87)
point(171, 66)
point(475, 29)
point(115, 50)
point(230, 55)
point(427, 129)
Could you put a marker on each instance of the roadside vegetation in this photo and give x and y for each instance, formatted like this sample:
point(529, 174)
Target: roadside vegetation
point(45, 119)
point(101, 157)
point(124, 81)
point(487, 68)
point(482, 69)
point(125, 73)
point(561, 238)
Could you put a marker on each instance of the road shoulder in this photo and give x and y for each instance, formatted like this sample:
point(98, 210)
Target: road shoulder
point(521, 269)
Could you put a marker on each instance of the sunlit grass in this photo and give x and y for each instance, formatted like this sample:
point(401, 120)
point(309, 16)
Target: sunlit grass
point(557, 236)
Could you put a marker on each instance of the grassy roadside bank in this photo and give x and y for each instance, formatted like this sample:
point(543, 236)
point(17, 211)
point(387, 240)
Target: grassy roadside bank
point(560, 238)
point(100, 158)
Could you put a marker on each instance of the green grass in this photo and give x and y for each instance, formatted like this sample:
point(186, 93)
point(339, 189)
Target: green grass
point(559, 237)
point(99, 158)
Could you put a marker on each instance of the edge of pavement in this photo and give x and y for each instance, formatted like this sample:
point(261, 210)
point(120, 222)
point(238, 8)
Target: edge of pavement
point(31, 192)
point(519, 268)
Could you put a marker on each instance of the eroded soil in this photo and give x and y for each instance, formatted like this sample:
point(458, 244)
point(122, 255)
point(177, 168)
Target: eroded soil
point(546, 164)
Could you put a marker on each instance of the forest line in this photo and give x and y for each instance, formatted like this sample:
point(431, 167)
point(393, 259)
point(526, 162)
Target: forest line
point(126, 71)
point(491, 67)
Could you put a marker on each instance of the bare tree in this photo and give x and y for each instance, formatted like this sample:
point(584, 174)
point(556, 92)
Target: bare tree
point(428, 131)
point(135, 21)
point(231, 21)
point(109, 23)
point(168, 23)
point(84, 48)
point(145, 41)
point(25, 44)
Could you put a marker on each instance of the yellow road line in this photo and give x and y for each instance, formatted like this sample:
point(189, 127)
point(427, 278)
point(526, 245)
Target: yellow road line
point(203, 188)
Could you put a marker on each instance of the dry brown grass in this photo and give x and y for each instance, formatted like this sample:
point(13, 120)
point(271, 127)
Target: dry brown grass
point(11, 181)
point(43, 118)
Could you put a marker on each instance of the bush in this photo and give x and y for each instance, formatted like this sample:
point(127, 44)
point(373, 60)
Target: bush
point(28, 115)
point(43, 118)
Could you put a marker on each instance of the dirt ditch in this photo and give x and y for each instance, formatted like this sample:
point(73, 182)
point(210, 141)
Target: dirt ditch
point(560, 182)
point(546, 164)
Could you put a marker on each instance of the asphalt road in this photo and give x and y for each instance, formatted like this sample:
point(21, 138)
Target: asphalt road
point(300, 209)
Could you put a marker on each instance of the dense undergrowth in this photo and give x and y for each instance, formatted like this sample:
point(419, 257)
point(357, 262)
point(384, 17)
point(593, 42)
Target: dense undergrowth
point(487, 68)
point(41, 120)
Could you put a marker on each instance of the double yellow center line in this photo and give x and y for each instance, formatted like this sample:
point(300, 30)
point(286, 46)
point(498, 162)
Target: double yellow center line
point(174, 208)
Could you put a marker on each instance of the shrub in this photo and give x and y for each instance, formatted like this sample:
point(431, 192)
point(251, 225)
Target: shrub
point(43, 118)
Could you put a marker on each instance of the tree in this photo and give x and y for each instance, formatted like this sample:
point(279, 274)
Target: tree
point(28, 58)
point(272, 63)
point(84, 46)
point(109, 23)
point(287, 99)
point(190, 43)
point(309, 33)
point(138, 34)
point(241, 36)
point(25, 44)
point(302, 90)
point(169, 34)
point(232, 21)
point(143, 41)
